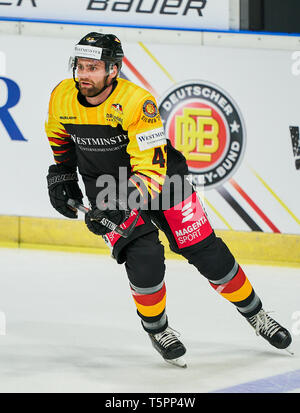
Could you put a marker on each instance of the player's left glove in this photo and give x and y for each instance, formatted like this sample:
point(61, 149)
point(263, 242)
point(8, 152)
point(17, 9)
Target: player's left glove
point(94, 216)
point(63, 185)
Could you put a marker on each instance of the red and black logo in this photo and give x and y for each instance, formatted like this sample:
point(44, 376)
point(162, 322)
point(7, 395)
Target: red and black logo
point(205, 125)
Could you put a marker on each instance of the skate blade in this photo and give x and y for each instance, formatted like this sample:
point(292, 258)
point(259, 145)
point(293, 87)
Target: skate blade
point(289, 351)
point(179, 362)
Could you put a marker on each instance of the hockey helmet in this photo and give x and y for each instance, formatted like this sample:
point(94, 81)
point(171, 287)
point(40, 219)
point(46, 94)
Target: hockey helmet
point(106, 47)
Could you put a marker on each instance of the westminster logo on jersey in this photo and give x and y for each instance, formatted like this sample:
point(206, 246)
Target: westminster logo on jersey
point(205, 125)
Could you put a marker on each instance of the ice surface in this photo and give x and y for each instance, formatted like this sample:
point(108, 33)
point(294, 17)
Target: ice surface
point(71, 326)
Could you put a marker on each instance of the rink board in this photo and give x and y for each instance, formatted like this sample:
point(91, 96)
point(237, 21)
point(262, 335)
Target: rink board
point(255, 208)
point(250, 95)
point(67, 235)
point(133, 13)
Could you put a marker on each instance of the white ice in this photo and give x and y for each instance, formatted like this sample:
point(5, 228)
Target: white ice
point(68, 323)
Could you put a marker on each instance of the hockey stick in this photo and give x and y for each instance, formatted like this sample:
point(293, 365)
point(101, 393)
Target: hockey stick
point(124, 232)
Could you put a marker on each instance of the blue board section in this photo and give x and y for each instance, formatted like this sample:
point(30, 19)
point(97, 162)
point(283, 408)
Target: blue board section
point(82, 23)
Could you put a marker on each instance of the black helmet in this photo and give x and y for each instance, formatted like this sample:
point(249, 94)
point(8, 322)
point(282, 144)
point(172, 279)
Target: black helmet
point(106, 47)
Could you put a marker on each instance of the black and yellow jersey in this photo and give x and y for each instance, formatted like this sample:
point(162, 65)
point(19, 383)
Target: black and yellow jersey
point(123, 131)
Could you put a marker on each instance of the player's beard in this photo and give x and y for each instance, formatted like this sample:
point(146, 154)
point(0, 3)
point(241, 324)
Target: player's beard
point(90, 91)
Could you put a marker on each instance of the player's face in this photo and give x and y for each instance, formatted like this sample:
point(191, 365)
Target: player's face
point(91, 76)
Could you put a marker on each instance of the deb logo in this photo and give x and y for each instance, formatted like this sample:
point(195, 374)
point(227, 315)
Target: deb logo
point(205, 125)
point(9, 97)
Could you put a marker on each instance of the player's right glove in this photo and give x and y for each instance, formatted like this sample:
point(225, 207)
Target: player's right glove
point(62, 185)
point(94, 217)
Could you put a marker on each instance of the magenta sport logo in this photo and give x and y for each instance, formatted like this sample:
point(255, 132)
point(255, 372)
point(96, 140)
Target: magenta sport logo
point(188, 221)
point(205, 124)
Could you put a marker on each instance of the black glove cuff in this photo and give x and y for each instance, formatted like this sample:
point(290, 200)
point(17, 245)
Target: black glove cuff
point(58, 175)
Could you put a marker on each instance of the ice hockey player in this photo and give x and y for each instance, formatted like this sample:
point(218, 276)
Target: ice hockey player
point(100, 124)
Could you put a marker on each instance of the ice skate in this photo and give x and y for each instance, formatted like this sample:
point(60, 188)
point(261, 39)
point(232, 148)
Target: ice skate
point(168, 345)
point(270, 330)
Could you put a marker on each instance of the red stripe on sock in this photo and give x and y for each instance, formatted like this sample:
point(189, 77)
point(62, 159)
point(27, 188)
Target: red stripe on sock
point(233, 285)
point(149, 299)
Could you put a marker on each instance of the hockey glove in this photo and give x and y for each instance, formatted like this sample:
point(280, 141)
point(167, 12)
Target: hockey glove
point(62, 185)
point(95, 215)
